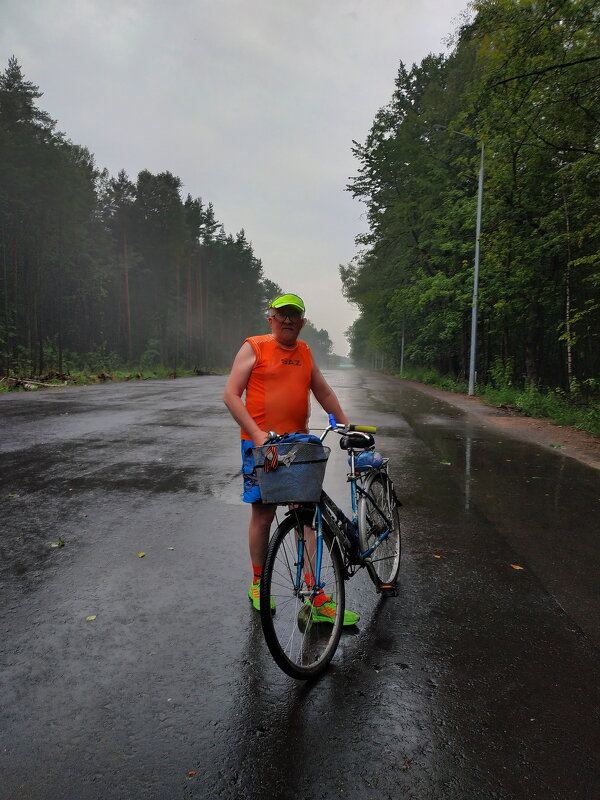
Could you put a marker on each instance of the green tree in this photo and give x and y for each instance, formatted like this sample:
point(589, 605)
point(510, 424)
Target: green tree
point(109, 271)
point(522, 77)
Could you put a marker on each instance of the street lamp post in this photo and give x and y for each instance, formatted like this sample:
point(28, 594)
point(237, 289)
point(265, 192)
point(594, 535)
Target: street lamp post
point(473, 350)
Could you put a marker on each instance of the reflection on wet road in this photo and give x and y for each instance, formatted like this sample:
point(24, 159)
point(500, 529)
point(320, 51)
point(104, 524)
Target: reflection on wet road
point(545, 504)
point(479, 681)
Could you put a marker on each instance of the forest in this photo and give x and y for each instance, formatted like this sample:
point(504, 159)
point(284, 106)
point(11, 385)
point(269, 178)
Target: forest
point(100, 273)
point(521, 85)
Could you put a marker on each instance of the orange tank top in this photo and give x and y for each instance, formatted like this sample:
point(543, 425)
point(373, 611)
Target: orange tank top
point(277, 394)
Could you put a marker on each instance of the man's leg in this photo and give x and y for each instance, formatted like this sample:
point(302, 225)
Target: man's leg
point(258, 539)
point(258, 531)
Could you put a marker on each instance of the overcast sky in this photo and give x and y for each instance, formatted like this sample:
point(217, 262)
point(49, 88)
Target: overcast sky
point(252, 103)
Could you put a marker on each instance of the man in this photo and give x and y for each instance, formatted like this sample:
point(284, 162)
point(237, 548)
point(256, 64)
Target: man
point(277, 373)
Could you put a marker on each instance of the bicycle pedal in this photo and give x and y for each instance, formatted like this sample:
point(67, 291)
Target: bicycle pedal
point(388, 590)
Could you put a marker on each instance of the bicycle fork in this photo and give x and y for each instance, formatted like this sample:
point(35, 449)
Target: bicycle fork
point(314, 559)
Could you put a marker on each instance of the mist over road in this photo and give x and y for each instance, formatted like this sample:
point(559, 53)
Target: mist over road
point(480, 680)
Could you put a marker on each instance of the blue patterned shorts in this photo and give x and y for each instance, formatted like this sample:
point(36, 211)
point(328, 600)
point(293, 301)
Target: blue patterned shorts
point(251, 488)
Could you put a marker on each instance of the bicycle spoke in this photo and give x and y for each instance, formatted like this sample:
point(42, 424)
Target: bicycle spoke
point(300, 646)
point(377, 509)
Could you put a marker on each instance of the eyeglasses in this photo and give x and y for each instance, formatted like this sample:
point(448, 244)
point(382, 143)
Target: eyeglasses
point(292, 316)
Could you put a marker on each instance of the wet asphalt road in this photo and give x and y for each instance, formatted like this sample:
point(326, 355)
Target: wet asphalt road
point(479, 681)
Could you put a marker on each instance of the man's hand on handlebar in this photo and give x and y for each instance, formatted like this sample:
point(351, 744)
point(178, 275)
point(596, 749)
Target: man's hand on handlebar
point(339, 426)
point(259, 438)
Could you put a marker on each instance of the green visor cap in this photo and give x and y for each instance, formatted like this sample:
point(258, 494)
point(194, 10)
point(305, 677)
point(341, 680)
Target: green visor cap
point(288, 300)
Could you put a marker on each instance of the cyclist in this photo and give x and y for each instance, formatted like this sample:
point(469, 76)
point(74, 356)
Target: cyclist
point(277, 372)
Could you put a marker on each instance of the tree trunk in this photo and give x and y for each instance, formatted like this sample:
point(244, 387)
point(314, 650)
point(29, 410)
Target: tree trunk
point(60, 300)
point(188, 312)
point(568, 300)
point(199, 311)
point(531, 344)
point(127, 299)
point(40, 341)
point(6, 314)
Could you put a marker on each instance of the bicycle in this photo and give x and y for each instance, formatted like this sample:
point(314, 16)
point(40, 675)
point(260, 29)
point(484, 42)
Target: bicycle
point(316, 548)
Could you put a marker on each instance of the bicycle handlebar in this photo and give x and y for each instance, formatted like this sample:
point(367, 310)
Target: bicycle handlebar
point(363, 428)
point(337, 426)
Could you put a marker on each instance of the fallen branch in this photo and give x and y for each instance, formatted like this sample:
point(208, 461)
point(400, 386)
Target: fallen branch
point(28, 383)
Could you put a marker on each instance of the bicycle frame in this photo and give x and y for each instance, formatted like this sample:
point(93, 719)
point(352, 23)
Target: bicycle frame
point(317, 548)
point(334, 518)
point(333, 515)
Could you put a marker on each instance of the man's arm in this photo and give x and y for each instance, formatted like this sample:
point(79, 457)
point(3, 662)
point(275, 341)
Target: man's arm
point(325, 395)
point(235, 388)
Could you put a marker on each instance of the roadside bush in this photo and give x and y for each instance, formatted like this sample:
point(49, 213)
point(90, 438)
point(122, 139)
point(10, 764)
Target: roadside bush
point(561, 409)
point(101, 360)
point(432, 377)
point(151, 357)
point(501, 374)
point(578, 408)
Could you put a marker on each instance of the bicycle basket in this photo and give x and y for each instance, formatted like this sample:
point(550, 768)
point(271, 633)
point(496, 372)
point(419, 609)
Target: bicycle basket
point(298, 474)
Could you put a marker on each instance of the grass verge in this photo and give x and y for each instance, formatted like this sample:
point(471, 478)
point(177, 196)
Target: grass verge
point(77, 378)
point(575, 409)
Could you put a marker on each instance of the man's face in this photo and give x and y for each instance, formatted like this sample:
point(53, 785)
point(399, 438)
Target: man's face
point(286, 323)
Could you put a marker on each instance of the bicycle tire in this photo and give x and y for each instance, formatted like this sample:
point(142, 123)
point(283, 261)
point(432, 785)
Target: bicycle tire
point(301, 648)
point(384, 565)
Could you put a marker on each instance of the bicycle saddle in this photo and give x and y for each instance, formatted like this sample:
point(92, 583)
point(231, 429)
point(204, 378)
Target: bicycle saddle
point(356, 441)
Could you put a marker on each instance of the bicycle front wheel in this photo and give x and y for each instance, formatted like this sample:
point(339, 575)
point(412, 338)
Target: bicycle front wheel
point(375, 508)
point(300, 645)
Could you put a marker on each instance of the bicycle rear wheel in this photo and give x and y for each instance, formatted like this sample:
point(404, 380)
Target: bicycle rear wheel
point(378, 504)
point(301, 647)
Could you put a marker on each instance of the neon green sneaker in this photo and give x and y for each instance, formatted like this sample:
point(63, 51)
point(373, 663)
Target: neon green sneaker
point(327, 612)
point(254, 595)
